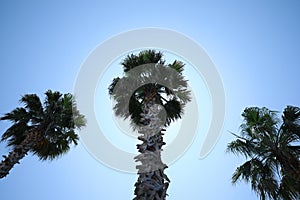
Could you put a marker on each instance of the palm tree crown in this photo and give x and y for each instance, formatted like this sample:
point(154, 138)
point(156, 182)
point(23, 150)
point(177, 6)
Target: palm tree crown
point(152, 68)
point(270, 144)
point(47, 128)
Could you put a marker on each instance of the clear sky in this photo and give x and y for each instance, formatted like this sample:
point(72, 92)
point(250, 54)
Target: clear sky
point(254, 45)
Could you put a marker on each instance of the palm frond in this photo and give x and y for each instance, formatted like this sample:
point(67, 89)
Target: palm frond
point(291, 120)
point(32, 104)
point(177, 65)
point(242, 147)
point(112, 86)
point(55, 120)
point(144, 57)
point(273, 168)
point(18, 114)
point(15, 134)
point(242, 172)
point(173, 110)
point(152, 79)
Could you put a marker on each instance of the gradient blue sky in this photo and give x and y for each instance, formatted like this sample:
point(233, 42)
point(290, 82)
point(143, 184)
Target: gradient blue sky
point(255, 46)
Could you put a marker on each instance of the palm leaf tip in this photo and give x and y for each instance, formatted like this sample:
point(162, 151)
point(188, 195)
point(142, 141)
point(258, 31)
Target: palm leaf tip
point(112, 86)
point(177, 65)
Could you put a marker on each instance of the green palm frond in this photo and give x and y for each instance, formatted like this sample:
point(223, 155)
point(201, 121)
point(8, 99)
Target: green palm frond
point(33, 105)
point(55, 120)
point(153, 78)
point(56, 144)
point(177, 65)
point(259, 121)
point(173, 110)
point(242, 147)
point(267, 186)
point(144, 57)
point(259, 175)
point(15, 134)
point(17, 115)
point(288, 189)
point(242, 172)
point(113, 85)
point(50, 150)
point(274, 166)
point(291, 120)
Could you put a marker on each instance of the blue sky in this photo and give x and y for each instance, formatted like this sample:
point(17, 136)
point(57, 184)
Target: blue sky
point(254, 45)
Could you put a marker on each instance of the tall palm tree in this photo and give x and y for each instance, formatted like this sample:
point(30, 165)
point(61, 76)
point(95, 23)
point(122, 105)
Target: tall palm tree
point(153, 95)
point(272, 148)
point(47, 130)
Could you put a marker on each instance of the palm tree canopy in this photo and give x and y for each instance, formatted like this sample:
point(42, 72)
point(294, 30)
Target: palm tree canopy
point(291, 120)
point(272, 151)
point(56, 119)
point(154, 78)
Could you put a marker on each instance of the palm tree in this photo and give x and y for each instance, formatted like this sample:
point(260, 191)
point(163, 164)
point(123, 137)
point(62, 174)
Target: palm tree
point(47, 130)
point(272, 148)
point(153, 95)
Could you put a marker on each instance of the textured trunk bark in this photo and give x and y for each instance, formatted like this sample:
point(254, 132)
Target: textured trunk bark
point(18, 153)
point(152, 183)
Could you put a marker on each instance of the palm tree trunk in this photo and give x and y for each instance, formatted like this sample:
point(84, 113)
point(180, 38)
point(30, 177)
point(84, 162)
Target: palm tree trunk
point(152, 183)
point(18, 153)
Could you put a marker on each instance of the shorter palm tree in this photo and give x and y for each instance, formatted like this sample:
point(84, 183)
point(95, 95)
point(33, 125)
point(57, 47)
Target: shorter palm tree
point(47, 130)
point(273, 166)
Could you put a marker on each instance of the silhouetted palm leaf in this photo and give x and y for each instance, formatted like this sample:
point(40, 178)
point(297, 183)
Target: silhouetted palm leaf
point(274, 167)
